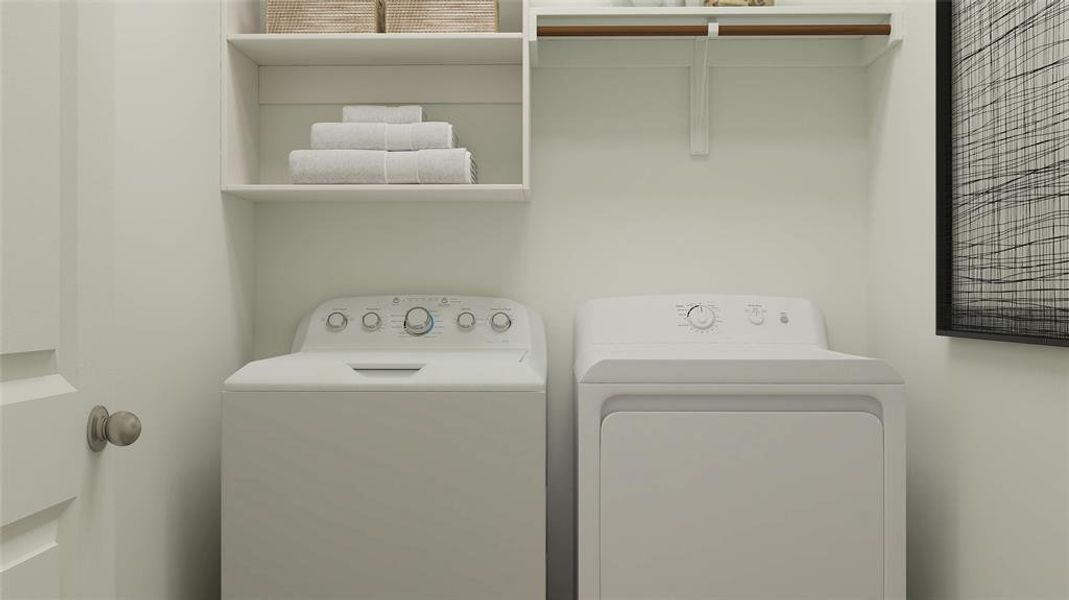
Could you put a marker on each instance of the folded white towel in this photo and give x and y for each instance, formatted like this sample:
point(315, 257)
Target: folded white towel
point(371, 113)
point(377, 166)
point(383, 136)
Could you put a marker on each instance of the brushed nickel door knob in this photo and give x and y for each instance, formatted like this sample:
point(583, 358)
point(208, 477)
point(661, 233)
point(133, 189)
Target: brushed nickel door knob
point(121, 429)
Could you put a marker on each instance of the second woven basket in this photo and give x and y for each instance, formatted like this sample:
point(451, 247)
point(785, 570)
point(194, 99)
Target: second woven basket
point(323, 16)
point(441, 16)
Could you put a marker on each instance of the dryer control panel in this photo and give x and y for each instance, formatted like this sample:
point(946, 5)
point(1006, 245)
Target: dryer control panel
point(702, 318)
point(415, 321)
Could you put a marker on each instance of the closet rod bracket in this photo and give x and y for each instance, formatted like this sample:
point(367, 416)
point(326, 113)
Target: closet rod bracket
point(699, 93)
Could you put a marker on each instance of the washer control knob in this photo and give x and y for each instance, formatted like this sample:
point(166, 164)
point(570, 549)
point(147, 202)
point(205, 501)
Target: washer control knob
point(757, 316)
point(701, 317)
point(500, 322)
point(336, 321)
point(466, 321)
point(371, 321)
point(418, 321)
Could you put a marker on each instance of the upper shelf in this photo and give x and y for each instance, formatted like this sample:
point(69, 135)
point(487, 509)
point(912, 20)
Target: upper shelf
point(849, 35)
point(306, 49)
point(789, 16)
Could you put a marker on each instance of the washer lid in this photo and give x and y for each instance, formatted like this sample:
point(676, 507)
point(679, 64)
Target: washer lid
point(485, 370)
point(724, 363)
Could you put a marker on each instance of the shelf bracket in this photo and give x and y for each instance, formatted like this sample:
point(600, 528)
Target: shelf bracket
point(531, 35)
point(699, 94)
point(874, 48)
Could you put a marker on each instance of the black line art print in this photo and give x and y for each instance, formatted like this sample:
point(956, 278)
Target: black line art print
point(1005, 199)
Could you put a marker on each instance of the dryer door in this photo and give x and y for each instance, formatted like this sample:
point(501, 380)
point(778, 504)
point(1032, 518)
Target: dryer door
point(741, 505)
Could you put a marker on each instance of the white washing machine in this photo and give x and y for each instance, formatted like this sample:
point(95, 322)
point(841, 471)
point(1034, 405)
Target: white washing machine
point(724, 452)
point(397, 453)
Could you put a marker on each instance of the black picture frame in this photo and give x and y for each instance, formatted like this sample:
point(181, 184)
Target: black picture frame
point(944, 218)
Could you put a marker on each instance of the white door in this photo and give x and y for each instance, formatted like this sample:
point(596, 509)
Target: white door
point(741, 506)
point(56, 539)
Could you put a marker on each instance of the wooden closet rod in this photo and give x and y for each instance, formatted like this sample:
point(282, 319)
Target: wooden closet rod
point(725, 30)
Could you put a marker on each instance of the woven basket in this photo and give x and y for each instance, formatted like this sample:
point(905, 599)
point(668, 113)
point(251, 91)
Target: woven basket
point(324, 16)
point(440, 16)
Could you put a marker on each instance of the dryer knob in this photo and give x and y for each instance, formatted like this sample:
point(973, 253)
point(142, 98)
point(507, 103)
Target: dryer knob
point(500, 322)
point(418, 321)
point(701, 317)
point(336, 321)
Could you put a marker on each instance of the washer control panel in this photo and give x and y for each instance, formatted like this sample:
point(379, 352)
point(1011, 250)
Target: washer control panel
point(412, 321)
point(703, 319)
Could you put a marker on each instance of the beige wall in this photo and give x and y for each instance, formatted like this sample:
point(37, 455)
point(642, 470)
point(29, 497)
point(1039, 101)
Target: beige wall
point(619, 207)
point(988, 454)
point(183, 283)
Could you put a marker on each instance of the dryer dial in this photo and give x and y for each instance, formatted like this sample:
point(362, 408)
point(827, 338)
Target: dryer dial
point(336, 321)
point(418, 321)
point(500, 322)
point(701, 317)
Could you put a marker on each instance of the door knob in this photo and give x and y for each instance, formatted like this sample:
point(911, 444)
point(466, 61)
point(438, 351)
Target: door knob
point(121, 429)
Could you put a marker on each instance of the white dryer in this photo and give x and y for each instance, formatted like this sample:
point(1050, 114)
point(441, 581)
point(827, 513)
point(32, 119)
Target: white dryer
point(725, 452)
point(397, 453)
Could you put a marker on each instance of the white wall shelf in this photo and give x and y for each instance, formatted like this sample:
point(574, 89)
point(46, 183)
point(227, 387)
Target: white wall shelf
point(557, 49)
point(698, 38)
point(381, 48)
point(795, 14)
point(275, 86)
point(379, 193)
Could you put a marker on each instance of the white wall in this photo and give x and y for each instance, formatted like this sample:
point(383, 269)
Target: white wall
point(183, 283)
point(988, 453)
point(619, 207)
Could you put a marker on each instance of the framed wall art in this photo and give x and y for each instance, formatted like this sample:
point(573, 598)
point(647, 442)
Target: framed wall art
point(1002, 218)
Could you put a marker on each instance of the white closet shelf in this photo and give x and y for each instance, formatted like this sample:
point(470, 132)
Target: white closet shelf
point(379, 193)
point(699, 38)
point(779, 36)
point(309, 49)
point(836, 15)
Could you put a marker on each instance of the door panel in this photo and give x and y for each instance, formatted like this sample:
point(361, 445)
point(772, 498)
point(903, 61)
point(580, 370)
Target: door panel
point(31, 113)
point(31, 559)
point(34, 450)
point(741, 505)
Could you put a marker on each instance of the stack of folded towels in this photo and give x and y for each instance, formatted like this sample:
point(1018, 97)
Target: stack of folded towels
point(383, 144)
